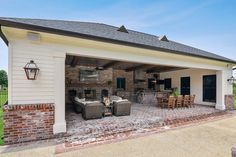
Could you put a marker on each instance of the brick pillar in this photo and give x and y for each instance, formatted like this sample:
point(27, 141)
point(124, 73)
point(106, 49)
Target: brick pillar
point(229, 102)
point(233, 150)
point(24, 123)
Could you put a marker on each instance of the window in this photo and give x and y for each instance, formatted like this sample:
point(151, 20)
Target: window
point(167, 84)
point(120, 83)
point(151, 83)
point(209, 88)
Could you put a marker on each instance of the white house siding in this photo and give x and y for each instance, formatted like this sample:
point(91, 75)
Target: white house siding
point(196, 81)
point(24, 91)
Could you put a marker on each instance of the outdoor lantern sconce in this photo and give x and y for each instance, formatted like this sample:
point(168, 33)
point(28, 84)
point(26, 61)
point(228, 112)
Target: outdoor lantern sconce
point(31, 70)
point(231, 80)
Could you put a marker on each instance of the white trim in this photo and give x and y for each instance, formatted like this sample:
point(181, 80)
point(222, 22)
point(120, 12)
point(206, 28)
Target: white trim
point(10, 73)
point(59, 127)
point(220, 90)
point(59, 86)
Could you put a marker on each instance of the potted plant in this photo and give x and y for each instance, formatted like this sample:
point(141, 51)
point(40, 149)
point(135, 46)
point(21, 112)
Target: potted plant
point(175, 92)
point(109, 83)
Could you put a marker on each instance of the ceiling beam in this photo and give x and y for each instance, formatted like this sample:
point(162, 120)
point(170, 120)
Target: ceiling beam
point(152, 69)
point(164, 69)
point(142, 66)
point(74, 61)
point(69, 60)
point(110, 64)
point(158, 69)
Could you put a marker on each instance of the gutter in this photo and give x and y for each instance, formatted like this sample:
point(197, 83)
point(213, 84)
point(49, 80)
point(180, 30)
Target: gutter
point(3, 36)
point(96, 38)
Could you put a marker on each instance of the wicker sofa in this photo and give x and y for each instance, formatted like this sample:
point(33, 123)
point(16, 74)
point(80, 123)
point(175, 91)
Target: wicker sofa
point(89, 109)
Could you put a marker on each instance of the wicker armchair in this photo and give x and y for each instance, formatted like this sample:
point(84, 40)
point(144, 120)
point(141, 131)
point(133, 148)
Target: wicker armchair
point(90, 109)
point(121, 108)
point(93, 110)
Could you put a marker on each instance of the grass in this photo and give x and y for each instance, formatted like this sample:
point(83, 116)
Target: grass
point(235, 102)
point(3, 100)
point(234, 92)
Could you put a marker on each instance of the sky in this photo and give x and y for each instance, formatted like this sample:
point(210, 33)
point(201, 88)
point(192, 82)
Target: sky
point(206, 24)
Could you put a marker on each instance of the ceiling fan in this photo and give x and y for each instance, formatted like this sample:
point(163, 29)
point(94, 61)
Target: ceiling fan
point(98, 67)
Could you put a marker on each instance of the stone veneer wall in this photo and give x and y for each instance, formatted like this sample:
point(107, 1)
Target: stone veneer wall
point(72, 74)
point(128, 77)
point(229, 102)
point(24, 123)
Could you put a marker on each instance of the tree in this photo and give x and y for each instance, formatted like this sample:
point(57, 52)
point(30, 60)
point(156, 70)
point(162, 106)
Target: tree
point(3, 78)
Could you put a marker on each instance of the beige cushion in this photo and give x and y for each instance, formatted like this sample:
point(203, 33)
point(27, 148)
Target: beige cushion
point(121, 100)
point(79, 100)
point(115, 98)
point(106, 101)
point(90, 102)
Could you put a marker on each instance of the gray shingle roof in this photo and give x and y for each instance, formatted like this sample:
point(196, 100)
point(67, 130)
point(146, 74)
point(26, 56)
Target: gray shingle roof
point(103, 31)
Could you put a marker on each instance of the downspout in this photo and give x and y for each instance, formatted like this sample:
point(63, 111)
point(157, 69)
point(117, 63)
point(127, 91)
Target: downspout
point(3, 36)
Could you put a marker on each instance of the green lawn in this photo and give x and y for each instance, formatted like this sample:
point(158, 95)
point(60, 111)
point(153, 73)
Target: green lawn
point(235, 102)
point(3, 99)
point(234, 92)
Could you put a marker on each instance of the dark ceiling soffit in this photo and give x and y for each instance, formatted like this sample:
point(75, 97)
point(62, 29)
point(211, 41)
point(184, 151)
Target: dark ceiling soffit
point(86, 36)
point(110, 64)
point(165, 70)
point(74, 61)
point(136, 67)
point(3, 36)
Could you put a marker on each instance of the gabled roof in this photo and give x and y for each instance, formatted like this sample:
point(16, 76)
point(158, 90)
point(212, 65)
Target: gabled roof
point(108, 33)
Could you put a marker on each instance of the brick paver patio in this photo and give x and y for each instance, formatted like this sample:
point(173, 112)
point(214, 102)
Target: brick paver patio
point(142, 118)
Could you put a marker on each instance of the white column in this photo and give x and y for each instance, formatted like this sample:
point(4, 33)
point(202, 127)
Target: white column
point(59, 70)
point(220, 90)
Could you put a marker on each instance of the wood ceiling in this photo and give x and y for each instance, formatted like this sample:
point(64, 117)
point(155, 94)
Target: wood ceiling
point(127, 66)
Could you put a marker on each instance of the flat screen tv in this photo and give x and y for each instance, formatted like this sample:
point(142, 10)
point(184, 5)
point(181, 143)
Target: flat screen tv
point(88, 75)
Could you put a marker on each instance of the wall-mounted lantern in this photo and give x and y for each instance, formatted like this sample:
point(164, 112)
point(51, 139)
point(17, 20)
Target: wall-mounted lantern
point(231, 80)
point(31, 70)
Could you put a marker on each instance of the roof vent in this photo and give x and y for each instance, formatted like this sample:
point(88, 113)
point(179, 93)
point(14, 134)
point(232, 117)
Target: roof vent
point(163, 38)
point(122, 29)
point(34, 37)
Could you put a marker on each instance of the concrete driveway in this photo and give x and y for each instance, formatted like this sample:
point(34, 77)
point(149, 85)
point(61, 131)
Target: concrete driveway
point(205, 140)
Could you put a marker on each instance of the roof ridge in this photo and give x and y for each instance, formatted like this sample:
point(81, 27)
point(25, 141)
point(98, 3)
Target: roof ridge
point(48, 20)
point(78, 22)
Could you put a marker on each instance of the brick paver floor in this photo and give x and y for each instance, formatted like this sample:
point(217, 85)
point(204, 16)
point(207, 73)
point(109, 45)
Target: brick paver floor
point(142, 118)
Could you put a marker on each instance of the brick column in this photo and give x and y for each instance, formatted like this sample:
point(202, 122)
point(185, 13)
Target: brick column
point(229, 102)
point(24, 123)
point(233, 150)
